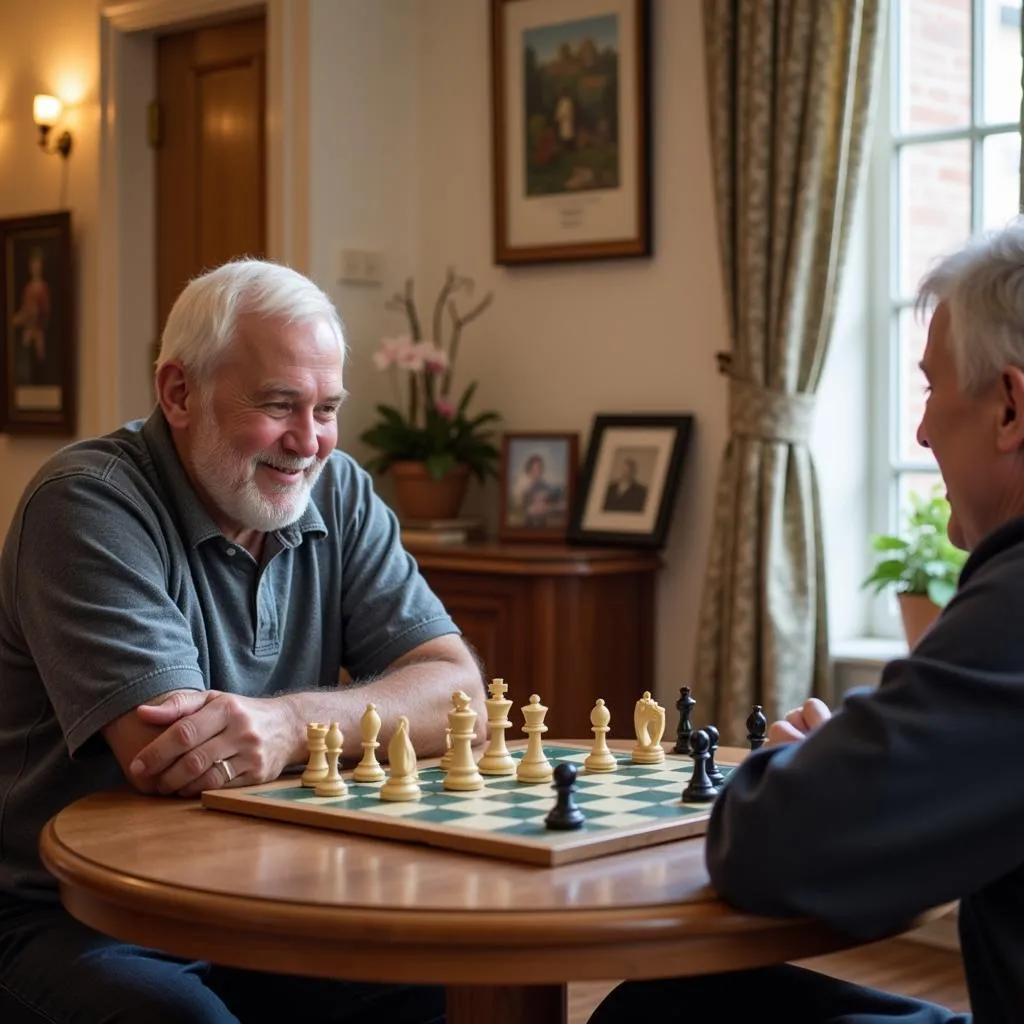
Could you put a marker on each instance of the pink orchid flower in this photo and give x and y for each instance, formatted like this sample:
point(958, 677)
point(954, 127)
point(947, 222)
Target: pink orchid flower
point(391, 351)
point(445, 408)
point(434, 358)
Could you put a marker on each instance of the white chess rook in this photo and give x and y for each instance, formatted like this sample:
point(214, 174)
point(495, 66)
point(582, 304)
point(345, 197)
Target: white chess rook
point(600, 759)
point(463, 773)
point(369, 769)
point(497, 760)
point(534, 767)
point(332, 784)
point(402, 782)
point(316, 769)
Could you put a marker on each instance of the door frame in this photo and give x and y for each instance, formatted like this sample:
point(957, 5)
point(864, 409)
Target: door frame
point(126, 258)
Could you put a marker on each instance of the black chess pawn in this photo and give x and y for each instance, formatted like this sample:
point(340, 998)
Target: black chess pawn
point(699, 789)
point(683, 730)
point(757, 727)
point(714, 772)
point(565, 815)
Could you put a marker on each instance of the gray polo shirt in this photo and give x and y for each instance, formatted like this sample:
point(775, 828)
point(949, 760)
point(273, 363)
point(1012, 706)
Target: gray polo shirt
point(116, 586)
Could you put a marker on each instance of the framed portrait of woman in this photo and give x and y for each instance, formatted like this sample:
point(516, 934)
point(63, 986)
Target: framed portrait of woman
point(538, 485)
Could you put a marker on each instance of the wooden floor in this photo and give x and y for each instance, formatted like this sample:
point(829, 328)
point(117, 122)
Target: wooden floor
point(909, 968)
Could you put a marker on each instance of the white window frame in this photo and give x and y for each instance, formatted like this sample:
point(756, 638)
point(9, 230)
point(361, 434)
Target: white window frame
point(883, 201)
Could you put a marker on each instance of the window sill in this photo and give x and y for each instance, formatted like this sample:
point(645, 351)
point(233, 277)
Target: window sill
point(867, 651)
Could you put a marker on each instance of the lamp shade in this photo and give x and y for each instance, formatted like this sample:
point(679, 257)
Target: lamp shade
point(46, 110)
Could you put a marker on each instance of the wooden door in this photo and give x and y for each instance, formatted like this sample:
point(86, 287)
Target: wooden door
point(211, 163)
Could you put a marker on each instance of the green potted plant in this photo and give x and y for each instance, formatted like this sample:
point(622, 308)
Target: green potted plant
point(429, 442)
point(920, 563)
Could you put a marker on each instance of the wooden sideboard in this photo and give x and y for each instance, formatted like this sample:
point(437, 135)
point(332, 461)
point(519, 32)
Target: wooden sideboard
point(571, 624)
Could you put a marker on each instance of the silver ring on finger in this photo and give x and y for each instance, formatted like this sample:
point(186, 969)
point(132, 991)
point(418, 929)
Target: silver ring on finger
point(227, 772)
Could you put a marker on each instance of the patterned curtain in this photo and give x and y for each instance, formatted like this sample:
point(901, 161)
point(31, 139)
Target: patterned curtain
point(790, 88)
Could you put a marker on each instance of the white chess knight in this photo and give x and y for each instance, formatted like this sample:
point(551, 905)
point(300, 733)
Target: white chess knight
point(649, 721)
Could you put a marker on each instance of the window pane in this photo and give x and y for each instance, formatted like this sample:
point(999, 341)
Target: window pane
point(911, 335)
point(1000, 171)
point(1000, 62)
point(934, 65)
point(934, 206)
point(922, 484)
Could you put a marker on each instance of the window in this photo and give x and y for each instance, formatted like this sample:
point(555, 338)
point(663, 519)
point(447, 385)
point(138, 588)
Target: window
point(948, 166)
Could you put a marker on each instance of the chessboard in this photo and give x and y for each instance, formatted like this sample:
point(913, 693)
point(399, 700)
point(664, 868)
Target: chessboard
point(634, 806)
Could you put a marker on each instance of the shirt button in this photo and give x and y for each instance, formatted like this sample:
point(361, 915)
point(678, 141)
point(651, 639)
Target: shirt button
point(231, 551)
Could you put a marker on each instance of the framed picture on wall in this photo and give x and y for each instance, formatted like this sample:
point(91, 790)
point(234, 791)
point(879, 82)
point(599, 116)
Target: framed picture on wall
point(38, 317)
point(630, 479)
point(538, 485)
point(570, 129)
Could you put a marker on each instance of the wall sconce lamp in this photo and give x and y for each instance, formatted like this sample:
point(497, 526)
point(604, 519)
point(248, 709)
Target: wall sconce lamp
point(46, 111)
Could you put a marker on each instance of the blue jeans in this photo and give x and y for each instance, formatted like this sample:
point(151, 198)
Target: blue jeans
point(54, 969)
point(793, 994)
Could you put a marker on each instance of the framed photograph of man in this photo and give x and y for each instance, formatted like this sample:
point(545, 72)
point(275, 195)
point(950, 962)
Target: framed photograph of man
point(37, 313)
point(538, 485)
point(571, 129)
point(630, 478)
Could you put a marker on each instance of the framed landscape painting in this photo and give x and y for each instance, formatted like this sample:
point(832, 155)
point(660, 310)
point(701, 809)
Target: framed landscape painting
point(37, 314)
point(571, 129)
point(630, 479)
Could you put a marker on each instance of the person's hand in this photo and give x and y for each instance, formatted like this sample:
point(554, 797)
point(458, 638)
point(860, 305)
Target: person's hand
point(798, 723)
point(203, 727)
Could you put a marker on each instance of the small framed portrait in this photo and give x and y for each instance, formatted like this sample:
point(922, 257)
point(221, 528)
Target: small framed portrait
point(538, 485)
point(630, 479)
point(37, 313)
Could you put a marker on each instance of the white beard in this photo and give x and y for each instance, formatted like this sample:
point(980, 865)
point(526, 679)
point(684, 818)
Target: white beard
point(230, 481)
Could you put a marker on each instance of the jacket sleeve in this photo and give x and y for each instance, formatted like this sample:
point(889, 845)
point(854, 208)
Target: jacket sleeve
point(910, 796)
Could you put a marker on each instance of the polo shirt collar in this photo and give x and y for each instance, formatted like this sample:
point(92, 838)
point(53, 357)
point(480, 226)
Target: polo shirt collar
point(196, 523)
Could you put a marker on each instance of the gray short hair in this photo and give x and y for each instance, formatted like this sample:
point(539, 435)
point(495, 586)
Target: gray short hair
point(983, 285)
point(204, 317)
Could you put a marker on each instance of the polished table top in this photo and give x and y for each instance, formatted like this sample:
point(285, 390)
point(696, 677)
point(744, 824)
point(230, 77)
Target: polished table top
point(268, 895)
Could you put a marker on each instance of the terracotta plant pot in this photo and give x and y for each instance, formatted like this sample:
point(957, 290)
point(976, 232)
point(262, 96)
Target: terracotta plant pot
point(918, 612)
point(419, 496)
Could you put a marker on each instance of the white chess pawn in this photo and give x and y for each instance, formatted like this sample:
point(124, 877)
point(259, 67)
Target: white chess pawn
point(497, 760)
point(534, 767)
point(649, 721)
point(369, 769)
point(402, 782)
point(600, 759)
point(316, 769)
point(332, 784)
point(463, 773)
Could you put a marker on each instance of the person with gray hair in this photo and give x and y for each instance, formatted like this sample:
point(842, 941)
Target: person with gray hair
point(910, 796)
point(178, 599)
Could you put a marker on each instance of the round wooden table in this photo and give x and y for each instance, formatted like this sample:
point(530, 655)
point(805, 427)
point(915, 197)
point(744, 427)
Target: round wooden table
point(504, 938)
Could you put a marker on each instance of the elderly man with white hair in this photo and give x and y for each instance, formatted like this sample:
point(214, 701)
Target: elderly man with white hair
point(912, 794)
point(177, 601)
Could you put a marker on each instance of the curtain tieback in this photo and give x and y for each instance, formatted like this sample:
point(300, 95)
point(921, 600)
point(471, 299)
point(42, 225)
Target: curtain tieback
point(769, 415)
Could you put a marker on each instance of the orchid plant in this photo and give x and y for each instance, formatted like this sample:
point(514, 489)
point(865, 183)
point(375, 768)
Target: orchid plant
point(427, 424)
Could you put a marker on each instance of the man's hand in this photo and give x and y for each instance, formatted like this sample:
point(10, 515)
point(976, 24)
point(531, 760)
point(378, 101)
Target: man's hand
point(798, 723)
point(201, 727)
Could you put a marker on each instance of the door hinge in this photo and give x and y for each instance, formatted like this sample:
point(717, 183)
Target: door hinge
point(155, 124)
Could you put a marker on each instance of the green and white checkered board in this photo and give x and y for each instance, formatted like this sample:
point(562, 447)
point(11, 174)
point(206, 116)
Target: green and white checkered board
point(635, 805)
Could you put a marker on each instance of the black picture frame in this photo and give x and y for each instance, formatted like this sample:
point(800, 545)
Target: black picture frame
point(556, 197)
point(38, 371)
point(630, 479)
